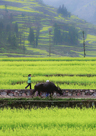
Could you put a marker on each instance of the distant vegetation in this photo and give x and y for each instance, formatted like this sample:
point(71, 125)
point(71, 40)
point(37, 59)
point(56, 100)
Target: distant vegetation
point(85, 9)
point(65, 35)
point(63, 11)
point(33, 38)
point(10, 37)
point(25, 31)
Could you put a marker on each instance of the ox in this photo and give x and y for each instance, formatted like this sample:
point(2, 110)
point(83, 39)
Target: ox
point(47, 87)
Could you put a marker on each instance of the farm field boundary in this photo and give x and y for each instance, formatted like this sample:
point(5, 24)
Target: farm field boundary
point(64, 103)
point(77, 93)
point(48, 59)
point(70, 98)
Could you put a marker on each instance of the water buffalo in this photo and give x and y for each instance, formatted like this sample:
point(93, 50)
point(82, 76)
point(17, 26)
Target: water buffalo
point(47, 87)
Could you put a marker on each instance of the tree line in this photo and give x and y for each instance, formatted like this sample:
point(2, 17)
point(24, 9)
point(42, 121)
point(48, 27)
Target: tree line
point(62, 34)
point(34, 36)
point(12, 38)
point(8, 35)
point(63, 11)
point(65, 34)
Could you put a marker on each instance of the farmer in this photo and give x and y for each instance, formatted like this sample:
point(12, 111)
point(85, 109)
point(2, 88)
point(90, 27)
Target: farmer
point(29, 81)
point(47, 93)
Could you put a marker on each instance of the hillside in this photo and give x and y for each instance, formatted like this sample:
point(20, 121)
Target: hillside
point(33, 13)
point(84, 9)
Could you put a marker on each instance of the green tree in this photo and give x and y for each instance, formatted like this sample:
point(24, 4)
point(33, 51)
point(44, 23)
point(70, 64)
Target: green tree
point(37, 35)
point(65, 35)
point(1, 32)
point(31, 37)
point(1, 27)
point(63, 10)
point(73, 35)
point(12, 40)
point(57, 34)
point(16, 29)
point(8, 28)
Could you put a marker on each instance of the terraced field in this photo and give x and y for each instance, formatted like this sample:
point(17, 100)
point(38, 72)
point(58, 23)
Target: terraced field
point(68, 73)
point(31, 13)
point(65, 72)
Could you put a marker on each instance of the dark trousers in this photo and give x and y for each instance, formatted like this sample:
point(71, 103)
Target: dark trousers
point(47, 94)
point(29, 84)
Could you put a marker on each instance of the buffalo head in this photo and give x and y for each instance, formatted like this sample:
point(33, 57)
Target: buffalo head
point(60, 91)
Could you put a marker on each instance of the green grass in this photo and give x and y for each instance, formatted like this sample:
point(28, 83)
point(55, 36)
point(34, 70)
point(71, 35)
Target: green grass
point(47, 99)
point(65, 59)
point(48, 122)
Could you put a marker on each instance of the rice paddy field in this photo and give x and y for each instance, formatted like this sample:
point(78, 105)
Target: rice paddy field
point(48, 122)
point(67, 73)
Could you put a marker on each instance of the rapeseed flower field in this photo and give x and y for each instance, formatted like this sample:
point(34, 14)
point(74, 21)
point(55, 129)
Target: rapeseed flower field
point(48, 122)
point(67, 73)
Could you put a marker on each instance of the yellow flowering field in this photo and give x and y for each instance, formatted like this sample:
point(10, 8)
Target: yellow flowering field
point(67, 73)
point(48, 122)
